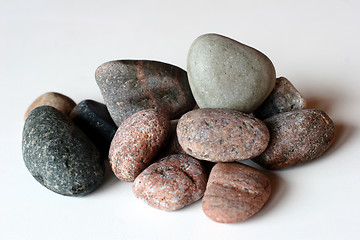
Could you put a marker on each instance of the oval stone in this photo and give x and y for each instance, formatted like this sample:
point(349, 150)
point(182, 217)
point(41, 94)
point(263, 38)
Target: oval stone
point(283, 98)
point(221, 135)
point(235, 192)
point(129, 86)
point(296, 137)
point(171, 183)
point(224, 73)
point(59, 155)
point(136, 143)
point(57, 100)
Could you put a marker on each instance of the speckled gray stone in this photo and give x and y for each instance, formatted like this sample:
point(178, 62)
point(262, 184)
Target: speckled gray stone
point(224, 73)
point(59, 155)
point(283, 98)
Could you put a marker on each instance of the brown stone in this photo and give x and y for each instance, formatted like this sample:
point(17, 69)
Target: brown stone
point(136, 143)
point(221, 135)
point(296, 137)
point(235, 192)
point(171, 183)
point(173, 146)
point(283, 98)
point(57, 100)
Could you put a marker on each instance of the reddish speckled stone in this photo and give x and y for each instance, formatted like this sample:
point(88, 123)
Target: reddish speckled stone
point(221, 135)
point(137, 142)
point(296, 137)
point(235, 192)
point(173, 146)
point(129, 86)
point(171, 183)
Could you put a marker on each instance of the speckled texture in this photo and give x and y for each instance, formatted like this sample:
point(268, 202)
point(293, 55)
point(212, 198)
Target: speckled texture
point(221, 135)
point(171, 183)
point(137, 142)
point(95, 121)
point(283, 98)
point(129, 86)
point(57, 100)
point(173, 146)
point(224, 73)
point(235, 192)
point(59, 155)
point(296, 137)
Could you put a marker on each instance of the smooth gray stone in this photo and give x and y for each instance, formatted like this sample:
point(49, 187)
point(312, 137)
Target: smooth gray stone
point(224, 73)
point(283, 98)
point(59, 155)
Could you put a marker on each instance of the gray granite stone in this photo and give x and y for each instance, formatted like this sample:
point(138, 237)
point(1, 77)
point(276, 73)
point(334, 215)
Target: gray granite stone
point(224, 73)
point(59, 155)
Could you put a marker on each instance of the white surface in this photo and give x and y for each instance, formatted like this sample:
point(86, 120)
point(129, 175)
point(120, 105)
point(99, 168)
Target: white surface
point(57, 45)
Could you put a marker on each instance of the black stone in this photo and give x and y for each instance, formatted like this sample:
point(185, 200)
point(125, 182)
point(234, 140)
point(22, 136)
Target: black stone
point(95, 121)
point(59, 155)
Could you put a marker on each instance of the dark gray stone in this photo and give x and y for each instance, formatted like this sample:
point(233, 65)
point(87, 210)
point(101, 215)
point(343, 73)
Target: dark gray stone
point(59, 155)
point(95, 121)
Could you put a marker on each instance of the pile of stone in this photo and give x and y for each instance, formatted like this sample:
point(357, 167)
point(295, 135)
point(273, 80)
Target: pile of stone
point(179, 136)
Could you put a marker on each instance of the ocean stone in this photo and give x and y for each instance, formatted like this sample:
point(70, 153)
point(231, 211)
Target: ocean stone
point(224, 73)
point(296, 137)
point(235, 192)
point(283, 98)
point(95, 121)
point(171, 183)
point(57, 100)
point(221, 135)
point(129, 86)
point(137, 142)
point(59, 155)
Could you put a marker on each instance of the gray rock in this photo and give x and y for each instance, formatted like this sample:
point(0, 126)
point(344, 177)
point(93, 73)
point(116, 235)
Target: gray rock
point(59, 155)
point(283, 98)
point(224, 73)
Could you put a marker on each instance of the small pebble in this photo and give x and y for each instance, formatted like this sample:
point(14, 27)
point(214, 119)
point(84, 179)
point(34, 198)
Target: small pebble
point(283, 98)
point(235, 192)
point(136, 143)
point(57, 100)
point(95, 121)
point(171, 183)
point(296, 137)
point(59, 155)
point(173, 146)
point(221, 135)
point(129, 86)
point(224, 73)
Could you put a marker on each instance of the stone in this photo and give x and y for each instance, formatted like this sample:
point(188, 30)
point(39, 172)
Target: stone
point(173, 146)
point(57, 100)
point(224, 73)
point(129, 86)
point(283, 98)
point(137, 142)
point(221, 135)
point(171, 183)
point(59, 155)
point(95, 121)
point(296, 137)
point(235, 192)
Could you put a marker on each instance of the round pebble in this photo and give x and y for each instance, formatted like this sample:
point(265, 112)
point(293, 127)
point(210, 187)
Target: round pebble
point(136, 143)
point(171, 183)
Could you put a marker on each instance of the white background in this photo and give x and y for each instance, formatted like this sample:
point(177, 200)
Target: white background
point(57, 45)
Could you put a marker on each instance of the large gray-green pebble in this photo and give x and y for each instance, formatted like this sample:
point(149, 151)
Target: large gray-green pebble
point(59, 155)
point(224, 73)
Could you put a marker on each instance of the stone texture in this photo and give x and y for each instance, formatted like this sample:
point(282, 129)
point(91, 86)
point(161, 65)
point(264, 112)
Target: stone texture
point(235, 192)
point(171, 183)
point(59, 155)
point(173, 146)
point(296, 137)
point(129, 86)
point(95, 121)
point(54, 99)
point(224, 73)
point(221, 135)
point(137, 142)
point(283, 98)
